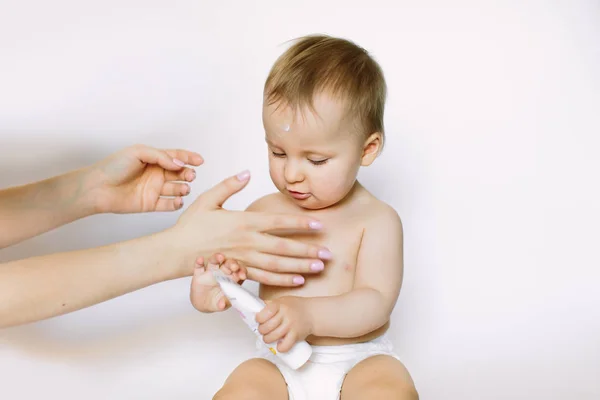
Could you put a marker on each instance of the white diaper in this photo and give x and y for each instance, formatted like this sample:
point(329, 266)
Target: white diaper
point(322, 376)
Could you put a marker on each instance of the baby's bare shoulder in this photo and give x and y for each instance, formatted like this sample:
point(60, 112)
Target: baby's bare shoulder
point(377, 213)
point(274, 202)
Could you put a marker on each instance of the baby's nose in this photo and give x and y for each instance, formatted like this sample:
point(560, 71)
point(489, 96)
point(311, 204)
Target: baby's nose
point(293, 172)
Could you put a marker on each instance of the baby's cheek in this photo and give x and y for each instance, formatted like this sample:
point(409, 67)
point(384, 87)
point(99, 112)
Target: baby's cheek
point(276, 176)
point(333, 186)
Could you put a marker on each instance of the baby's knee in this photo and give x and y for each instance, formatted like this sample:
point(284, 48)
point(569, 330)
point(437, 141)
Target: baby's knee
point(240, 392)
point(380, 389)
point(381, 377)
point(392, 391)
point(255, 379)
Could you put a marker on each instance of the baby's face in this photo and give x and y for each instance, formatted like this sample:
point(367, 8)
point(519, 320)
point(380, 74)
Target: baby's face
point(313, 157)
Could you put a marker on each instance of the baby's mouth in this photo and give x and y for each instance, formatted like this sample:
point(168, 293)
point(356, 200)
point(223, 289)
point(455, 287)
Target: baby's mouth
point(299, 195)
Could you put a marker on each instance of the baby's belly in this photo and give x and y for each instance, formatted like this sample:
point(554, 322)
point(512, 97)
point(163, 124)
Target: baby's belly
point(328, 284)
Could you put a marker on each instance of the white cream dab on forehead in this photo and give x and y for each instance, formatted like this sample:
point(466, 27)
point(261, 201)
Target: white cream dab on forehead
point(285, 127)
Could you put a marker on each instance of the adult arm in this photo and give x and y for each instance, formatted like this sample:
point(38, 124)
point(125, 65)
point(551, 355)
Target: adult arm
point(47, 286)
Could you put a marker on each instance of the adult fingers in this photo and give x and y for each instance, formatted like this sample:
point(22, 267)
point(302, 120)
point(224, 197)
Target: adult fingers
point(290, 247)
point(265, 222)
point(188, 157)
point(175, 189)
point(169, 204)
point(218, 194)
point(150, 155)
point(184, 174)
point(273, 278)
point(281, 264)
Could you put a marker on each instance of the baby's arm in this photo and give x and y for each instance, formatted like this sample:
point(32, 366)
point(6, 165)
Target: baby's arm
point(378, 279)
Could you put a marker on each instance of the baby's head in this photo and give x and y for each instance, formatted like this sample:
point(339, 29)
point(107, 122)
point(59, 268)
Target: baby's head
point(323, 116)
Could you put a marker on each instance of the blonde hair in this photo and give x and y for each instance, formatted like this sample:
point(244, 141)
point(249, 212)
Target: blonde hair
point(318, 63)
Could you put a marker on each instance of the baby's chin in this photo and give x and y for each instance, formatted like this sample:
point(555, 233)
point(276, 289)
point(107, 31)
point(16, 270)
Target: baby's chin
point(312, 203)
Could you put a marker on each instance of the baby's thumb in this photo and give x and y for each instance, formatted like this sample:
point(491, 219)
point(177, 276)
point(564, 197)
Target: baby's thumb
point(220, 302)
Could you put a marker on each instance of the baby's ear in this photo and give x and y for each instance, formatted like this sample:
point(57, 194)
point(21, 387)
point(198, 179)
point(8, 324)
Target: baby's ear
point(371, 149)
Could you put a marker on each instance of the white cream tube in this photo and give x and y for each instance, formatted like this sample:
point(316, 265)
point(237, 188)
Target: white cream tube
point(248, 305)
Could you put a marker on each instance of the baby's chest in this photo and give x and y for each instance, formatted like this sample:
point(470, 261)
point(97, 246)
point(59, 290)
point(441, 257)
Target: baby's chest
point(338, 275)
point(344, 245)
point(342, 236)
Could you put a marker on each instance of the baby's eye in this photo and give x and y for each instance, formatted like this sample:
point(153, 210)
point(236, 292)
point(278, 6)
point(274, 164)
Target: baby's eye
point(278, 154)
point(318, 162)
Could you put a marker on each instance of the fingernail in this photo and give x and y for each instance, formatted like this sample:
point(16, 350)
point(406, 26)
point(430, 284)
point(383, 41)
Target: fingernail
point(315, 225)
point(243, 176)
point(193, 175)
point(317, 266)
point(298, 280)
point(325, 255)
point(178, 162)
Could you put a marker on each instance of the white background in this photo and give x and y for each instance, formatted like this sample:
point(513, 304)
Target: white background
point(491, 160)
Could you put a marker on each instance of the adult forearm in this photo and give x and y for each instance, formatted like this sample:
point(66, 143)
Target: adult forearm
point(352, 314)
point(30, 210)
point(47, 286)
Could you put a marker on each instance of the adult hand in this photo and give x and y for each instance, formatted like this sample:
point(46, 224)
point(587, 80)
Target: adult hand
point(137, 179)
point(133, 181)
point(206, 228)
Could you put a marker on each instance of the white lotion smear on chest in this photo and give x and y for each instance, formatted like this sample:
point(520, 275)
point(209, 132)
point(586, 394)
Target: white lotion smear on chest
point(248, 305)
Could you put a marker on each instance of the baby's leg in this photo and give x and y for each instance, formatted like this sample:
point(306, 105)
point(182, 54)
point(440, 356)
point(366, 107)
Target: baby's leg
point(379, 377)
point(255, 379)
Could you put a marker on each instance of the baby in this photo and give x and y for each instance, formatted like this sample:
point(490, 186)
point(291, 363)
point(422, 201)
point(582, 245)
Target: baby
point(323, 118)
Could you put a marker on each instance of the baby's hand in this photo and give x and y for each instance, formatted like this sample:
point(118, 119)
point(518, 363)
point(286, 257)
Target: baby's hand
point(286, 320)
point(205, 293)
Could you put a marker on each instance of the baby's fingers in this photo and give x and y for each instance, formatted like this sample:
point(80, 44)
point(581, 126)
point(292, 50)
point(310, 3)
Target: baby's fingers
point(233, 269)
point(238, 269)
point(277, 334)
point(223, 303)
point(215, 261)
point(201, 278)
point(288, 342)
point(267, 313)
point(271, 324)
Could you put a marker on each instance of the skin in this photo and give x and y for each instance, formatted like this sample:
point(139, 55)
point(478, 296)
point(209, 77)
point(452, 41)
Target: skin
point(314, 166)
point(137, 179)
point(205, 294)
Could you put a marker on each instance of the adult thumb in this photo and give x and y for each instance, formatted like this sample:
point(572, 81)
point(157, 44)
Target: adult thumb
point(217, 195)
